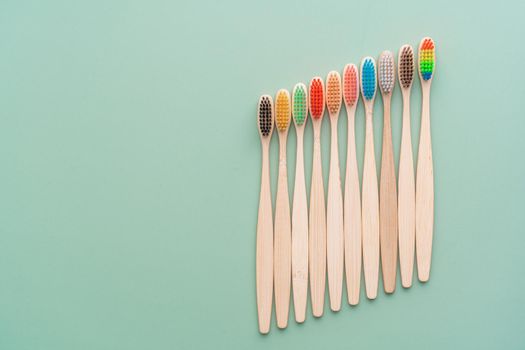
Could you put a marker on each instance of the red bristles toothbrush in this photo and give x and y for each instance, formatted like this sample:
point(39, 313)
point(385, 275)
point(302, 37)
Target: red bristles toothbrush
point(334, 209)
point(283, 239)
point(370, 197)
point(317, 218)
point(264, 256)
point(425, 172)
point(300, 209)
point(352, 198)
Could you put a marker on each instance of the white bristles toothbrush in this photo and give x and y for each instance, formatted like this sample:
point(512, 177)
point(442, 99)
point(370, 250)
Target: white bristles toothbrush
point(264, 256)
point(300, 209)
point(425, 172)
point(406, 184)
point(370, 197)
point(387, 191)
point(352, 198)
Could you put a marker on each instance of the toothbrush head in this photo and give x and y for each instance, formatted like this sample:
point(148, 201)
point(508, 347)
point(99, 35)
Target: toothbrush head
point(316, 98)
point(368, 78)
point(333, 92)
point(265, 116)
point(386, 72)
point(300, 104)
point(427, 58)
point(350, 85)
point(405, 67)
point(282, 110)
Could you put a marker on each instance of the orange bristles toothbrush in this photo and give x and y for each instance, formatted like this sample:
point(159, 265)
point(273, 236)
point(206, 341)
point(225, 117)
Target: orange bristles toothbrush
point(317, 218)
point(264, 256)
point(352, 198)
point(283, 239)
point(300, 209)
point(334, 209)
point(425, 172)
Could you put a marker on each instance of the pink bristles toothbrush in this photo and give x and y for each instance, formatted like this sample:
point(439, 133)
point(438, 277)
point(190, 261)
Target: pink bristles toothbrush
point(425, 172)
point(352, 198)
point(370, 197)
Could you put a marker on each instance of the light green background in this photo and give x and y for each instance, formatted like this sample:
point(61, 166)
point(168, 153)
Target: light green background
point(130, 169)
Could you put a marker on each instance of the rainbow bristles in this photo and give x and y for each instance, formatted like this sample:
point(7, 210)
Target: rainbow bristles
point(299, 102)
point(316, 98)
point(368, 78)
point(282, 110)
point(333, 92)
point(350, 84)
point(426, 58)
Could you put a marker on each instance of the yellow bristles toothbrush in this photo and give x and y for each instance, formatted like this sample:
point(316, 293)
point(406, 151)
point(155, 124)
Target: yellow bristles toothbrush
point(352, 198)
point(264, 256)
point(334, 209)
point(425, 173)
point(300, 209)
point(370, 200)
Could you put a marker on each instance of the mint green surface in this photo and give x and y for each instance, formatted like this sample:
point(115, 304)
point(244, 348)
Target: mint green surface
point(130, 169)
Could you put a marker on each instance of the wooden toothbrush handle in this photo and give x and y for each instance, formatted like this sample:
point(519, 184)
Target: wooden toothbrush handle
point(424, 192)
point(317, 231)
point(406, 200)
point(388, 205)
point(300, 235)
point(334, 225)
point(283, 242)
point(370, 214)
point(264, 256)
point(352, 220)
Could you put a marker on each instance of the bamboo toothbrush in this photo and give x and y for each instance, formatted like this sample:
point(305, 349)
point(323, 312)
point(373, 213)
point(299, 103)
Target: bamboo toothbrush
point(425, 172)
point(407, 189)
point(264, 256)
point(388, 192)
point(300, 209)
point(370, 200)
point(317, 218)
point(334, 210)
point(283, 239)
point(352, 198)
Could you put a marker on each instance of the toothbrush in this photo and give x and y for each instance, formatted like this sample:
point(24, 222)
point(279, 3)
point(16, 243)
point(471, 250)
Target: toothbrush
point(317, 224)
point(388, 192)
point(352, 199)
point(370, 200)
point(283, 239)
point(425, 173)
point(407, 189)
point(300, 209)
point(264, 256)
point(334, 210)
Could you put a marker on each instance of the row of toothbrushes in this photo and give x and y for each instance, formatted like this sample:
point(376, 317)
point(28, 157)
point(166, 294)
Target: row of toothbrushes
point(367, 226)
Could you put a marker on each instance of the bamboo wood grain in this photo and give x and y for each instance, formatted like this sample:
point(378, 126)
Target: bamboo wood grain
point(283, 241)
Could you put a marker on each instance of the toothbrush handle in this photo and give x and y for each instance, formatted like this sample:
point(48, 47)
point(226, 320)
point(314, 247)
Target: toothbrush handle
point(370, 213)
point(352, 220)
point(264, 256)
point(334, 225)
point(283, 242)
point(388, 205)
point(406, 200)
point(424, 192)
point(317, 230)
point(300, 235)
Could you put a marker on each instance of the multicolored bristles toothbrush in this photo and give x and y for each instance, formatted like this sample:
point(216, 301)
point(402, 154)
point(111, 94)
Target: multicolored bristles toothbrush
point(283, 238)
point(300, 209)
point(334, 210)
point(370, 200)
point(264, 256)
point(352, 197)
point(387, 191)
point(425, 173)
point(407, 190)
point(317, 218)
